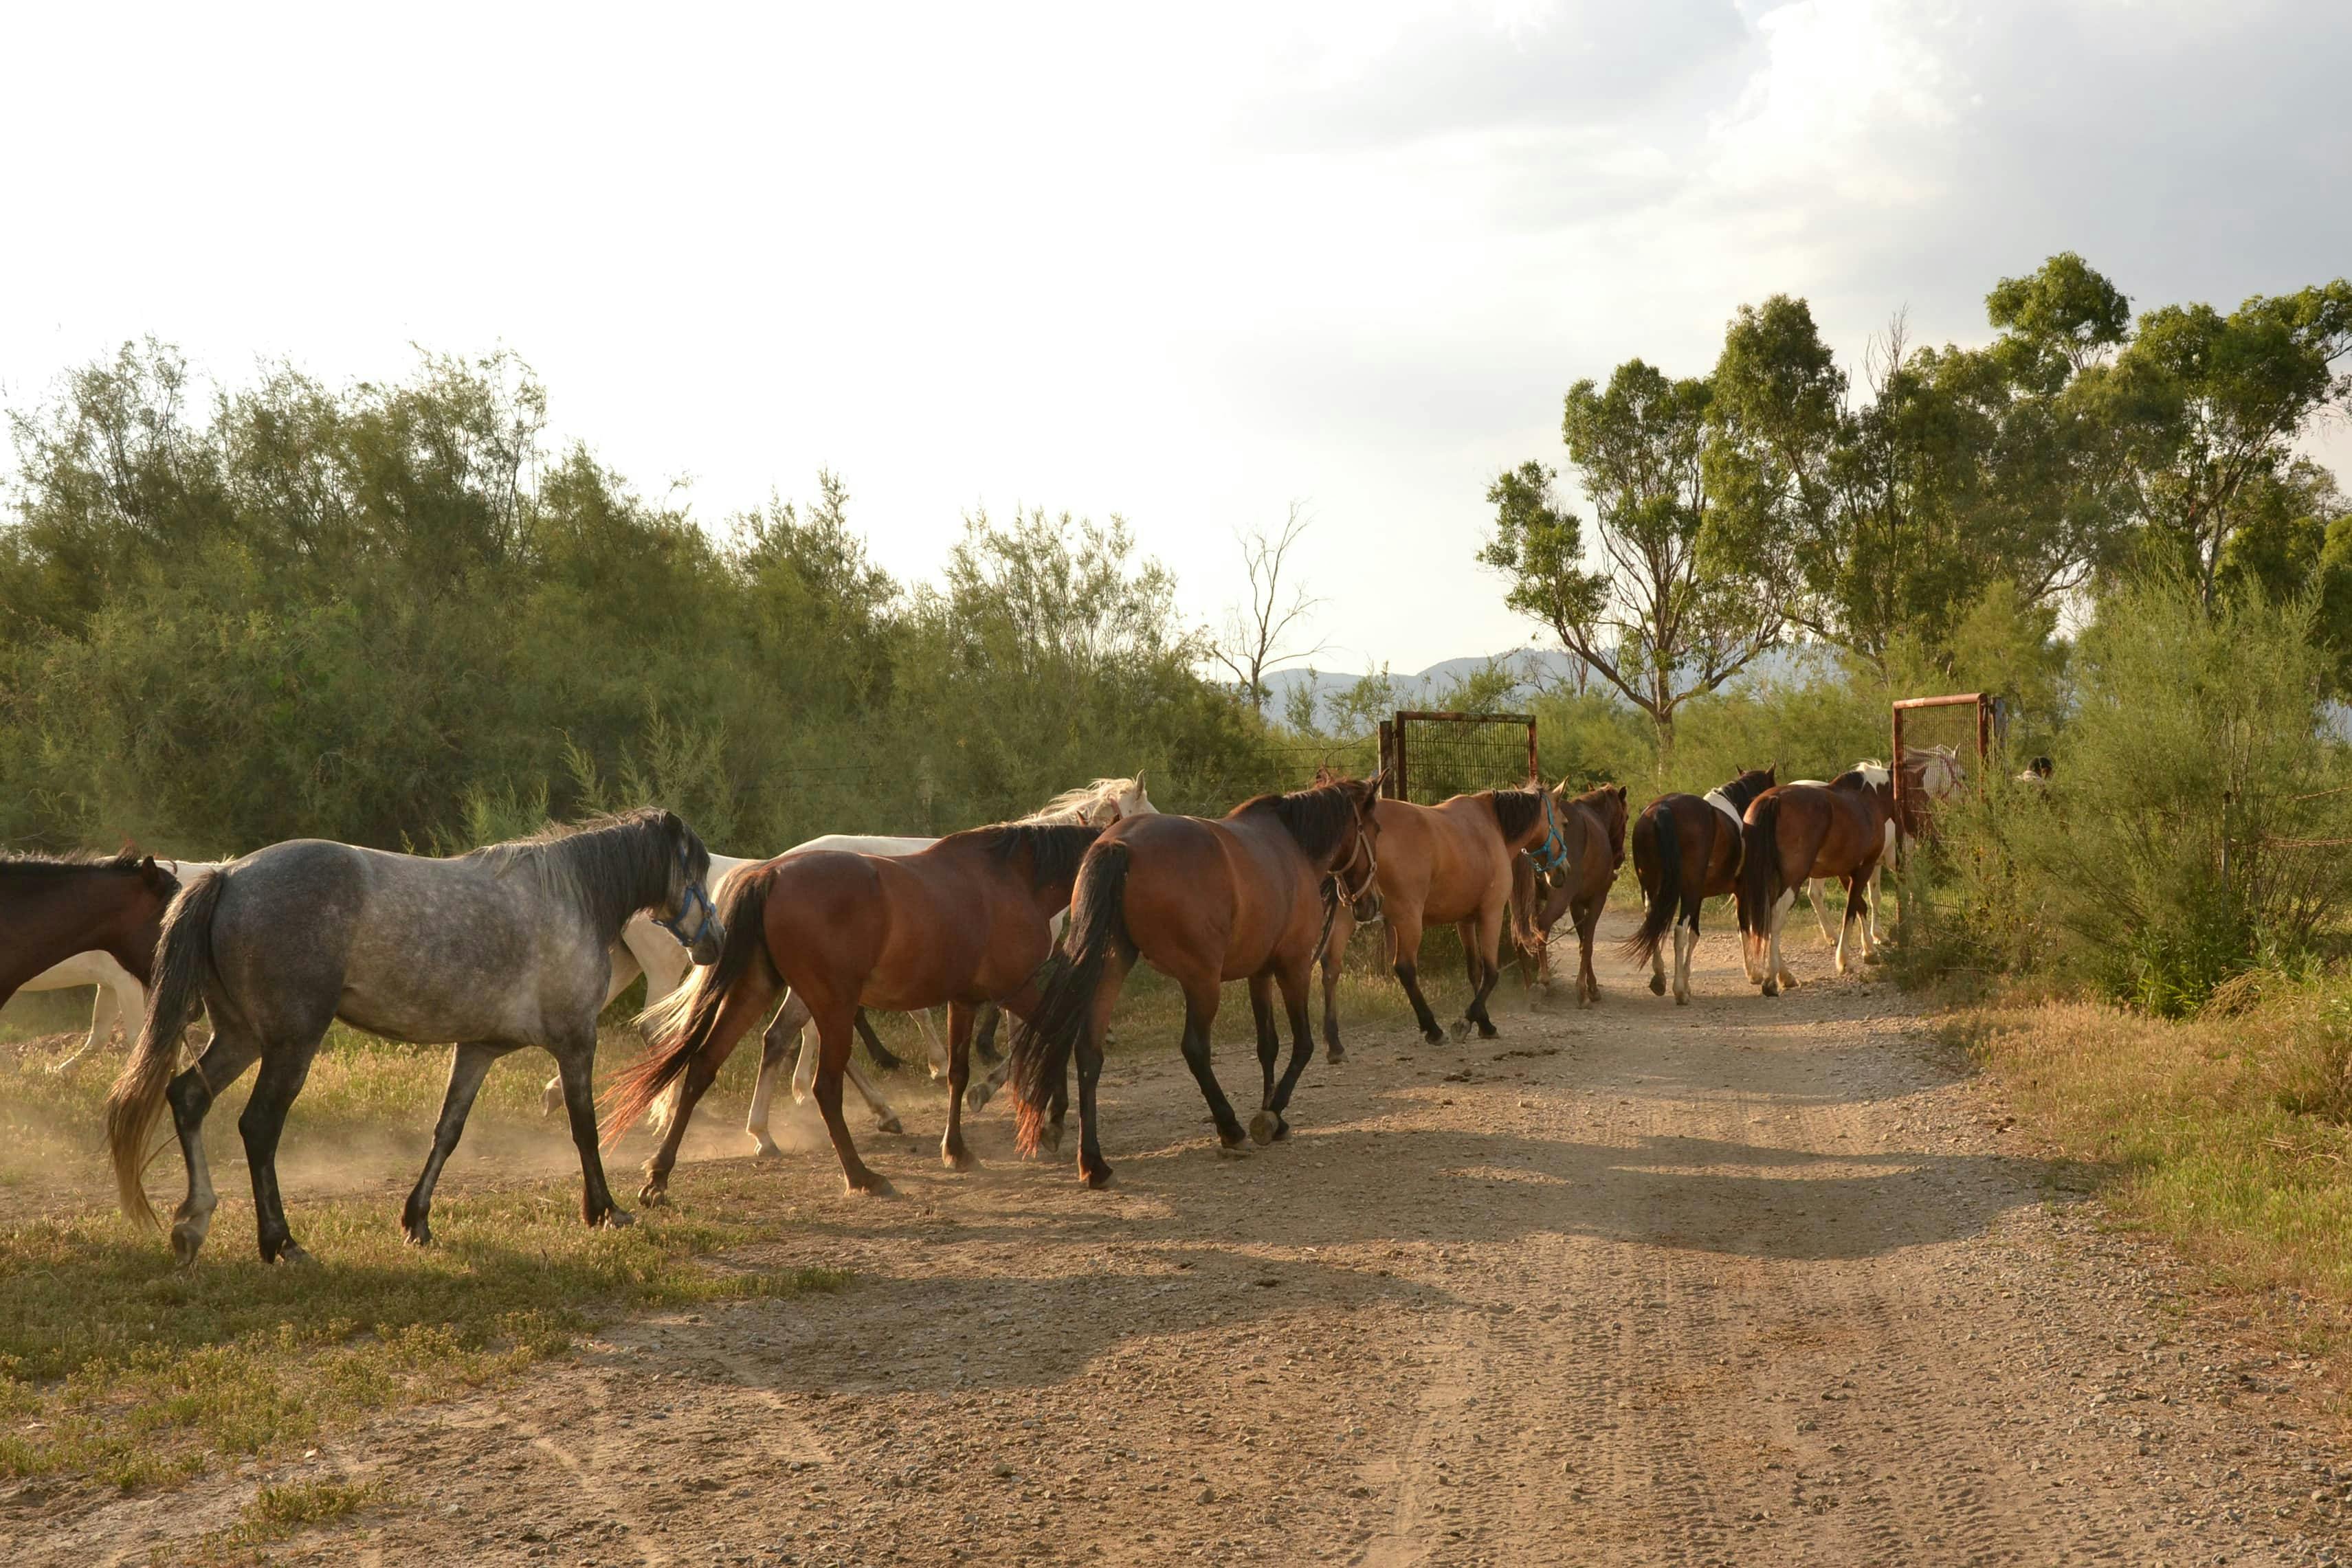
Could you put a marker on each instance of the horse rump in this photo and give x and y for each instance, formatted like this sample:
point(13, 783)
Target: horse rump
point(1042, 1045)
point(184, 960)
point(1658, 918)
point(679, 1024)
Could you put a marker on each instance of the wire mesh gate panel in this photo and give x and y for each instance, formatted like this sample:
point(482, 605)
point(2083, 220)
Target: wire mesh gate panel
point(1431, 757)
point(1942, 746)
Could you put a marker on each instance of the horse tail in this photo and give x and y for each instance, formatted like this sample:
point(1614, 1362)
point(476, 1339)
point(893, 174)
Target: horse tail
point(679, 1025)
point(1658, 919)
point(1042, 1045)
point(1760, 862)
point(1526, 898)
point(184, 960)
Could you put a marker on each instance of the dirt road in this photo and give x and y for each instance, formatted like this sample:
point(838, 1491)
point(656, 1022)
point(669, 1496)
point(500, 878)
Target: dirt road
point(1741, 1282)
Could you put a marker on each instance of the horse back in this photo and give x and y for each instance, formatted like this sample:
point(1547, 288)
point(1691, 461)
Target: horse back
point(1464, 866)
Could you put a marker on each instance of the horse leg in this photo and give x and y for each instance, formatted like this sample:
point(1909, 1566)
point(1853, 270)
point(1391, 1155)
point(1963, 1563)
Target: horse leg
point(742, 1008)
point(1270, 1125)
point(1269, 1039)
point(1870, 916)
point(1404, 955)
point(1483, 938)
point(1093, 1170)
point(1335, 951)
point(1821, 907)
point(951, 1150)
point(835, 1032)
point(1587, 923)
point(575, 1063)
point(886, 1119)
point(274, 1089)
point(467, 1066)
point(1776, 973)
point(881, 1054)
point(1200, 1014)
point(191, 1095)
point(983, 1039)
point(775, 1043)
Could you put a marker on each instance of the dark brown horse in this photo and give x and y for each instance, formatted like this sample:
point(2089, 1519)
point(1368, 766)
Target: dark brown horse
point(964, 922)
point(1579, 870)
point(52, 907)
point(1685, 851)
point(1251, 895)
point(1448, 864)
point(1800, 831)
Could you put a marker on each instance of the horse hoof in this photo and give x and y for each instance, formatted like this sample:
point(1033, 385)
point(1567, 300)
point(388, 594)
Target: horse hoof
point(974, 1098)
point(1461, 1031)
point(1334, 1053)
point(653, 1195)
point(185, 1245)
point(1871, 958)
point(1657, 987)
point(419, 1234)
point(1434, 1036)
point(764, 1148)
point(1232, 1150)
point(1770, 989)
point(892, 1126)
point(551, 1100)
point(1097, 1178)
point(293, 1256)
point(1050, 1140)
point(1262, 1128)
point(1681, 1000)
point(957, 1159)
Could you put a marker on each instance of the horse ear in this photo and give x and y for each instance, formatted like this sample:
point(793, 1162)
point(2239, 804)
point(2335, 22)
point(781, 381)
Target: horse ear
point(1138, 780)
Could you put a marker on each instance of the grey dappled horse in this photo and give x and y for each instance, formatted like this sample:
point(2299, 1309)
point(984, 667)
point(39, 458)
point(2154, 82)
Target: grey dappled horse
point(504, 947)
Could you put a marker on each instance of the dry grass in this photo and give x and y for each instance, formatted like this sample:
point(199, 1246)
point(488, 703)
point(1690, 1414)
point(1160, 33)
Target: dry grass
point(2230, 1135)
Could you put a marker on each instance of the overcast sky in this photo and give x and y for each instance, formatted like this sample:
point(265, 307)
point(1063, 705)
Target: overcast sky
point(1186, 265)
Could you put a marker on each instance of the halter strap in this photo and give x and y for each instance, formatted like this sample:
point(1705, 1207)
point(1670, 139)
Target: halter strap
point(1553, 854)
point(695, 899)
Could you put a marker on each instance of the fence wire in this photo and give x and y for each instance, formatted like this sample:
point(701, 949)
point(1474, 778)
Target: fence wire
point(1443, 758)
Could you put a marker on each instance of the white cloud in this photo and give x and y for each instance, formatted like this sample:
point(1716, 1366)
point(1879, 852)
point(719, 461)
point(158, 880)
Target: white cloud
point(1187, 265)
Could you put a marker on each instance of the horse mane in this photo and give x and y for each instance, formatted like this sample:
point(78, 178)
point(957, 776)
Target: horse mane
point(1055, 848)
point(1516, 809)
point(601, 858)
point(1746, 786)
point(32, 864)
point(1315, 817)
point(1061, 808)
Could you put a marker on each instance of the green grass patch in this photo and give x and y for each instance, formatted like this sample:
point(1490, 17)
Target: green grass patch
point(2229, 1135)
point(281, 1512)
point(116, 1365)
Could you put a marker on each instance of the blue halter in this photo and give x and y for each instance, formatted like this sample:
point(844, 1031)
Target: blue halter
point(1554, 852)
point(695, 899)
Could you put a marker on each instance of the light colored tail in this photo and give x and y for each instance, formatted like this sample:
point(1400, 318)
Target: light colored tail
point(183, 958)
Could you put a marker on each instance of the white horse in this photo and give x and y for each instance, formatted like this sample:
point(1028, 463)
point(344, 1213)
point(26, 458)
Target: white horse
point(120, 997)
point(664, 965)
point(1940, 779)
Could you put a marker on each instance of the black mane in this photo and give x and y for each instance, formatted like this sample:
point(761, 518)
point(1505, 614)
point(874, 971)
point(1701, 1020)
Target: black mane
point(1516, 809)
point(1055, 848)
point(1747, 787)
point(620, 863)
point(73, 862)
point(1315, 817)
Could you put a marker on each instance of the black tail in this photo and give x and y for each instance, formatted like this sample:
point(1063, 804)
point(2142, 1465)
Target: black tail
point(679, 1024)
point(1759, 859)
point(1658, 919)
point(1042, 1045)
point(183, 959)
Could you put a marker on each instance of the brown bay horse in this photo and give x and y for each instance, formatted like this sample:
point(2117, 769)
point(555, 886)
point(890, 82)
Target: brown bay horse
point(54, 907)
point(1582, 865)
point(1797, 831)
point(964, 922)
point(1685, 851)
point(1451, 863)
point(1248, 897)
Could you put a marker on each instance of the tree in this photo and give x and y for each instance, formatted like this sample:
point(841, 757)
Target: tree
point(2212, 404)
point(1674, 607)
point(1251, 646)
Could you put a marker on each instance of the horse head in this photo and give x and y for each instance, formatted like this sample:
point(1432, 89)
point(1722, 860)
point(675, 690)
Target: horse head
point(687, 911)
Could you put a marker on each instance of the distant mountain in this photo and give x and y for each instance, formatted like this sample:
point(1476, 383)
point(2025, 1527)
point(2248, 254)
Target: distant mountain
point(1537, 668)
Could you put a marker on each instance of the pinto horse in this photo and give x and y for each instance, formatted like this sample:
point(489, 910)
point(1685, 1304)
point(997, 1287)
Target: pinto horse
point(501, 948)
point(965, 922)
point(1795, 831)
point(1250, 895)
point(1580, 866)
point(1685, 851)
point(1455, 862)
point(55, 906)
